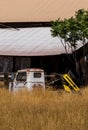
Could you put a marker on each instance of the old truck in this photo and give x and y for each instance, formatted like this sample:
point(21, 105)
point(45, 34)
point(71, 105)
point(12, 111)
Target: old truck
point(33, 78)
point(28, 78)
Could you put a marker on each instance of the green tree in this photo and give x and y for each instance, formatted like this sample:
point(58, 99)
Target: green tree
point(71, 31)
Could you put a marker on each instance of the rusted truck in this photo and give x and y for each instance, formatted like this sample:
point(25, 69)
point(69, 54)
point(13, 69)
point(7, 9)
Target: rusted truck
point(28, 78)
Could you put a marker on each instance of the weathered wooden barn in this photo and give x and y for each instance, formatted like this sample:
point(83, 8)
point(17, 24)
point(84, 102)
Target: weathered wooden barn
point(30, 44)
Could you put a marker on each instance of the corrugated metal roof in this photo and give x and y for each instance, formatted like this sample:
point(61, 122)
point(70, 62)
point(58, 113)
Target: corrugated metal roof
point(30, 42)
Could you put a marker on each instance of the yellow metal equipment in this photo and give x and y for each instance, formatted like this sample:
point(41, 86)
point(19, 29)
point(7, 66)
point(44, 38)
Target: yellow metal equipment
point(71, 85)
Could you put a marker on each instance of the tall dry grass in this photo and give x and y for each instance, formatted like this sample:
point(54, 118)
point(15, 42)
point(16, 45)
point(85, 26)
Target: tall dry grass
point(52, 110)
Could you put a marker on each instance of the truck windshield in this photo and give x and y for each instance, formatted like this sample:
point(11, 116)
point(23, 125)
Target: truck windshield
point(21, 76)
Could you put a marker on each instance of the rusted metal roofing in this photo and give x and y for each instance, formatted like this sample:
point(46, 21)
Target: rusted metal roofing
point(30, 42)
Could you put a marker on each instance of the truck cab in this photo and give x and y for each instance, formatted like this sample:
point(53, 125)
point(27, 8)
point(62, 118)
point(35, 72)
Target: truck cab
point(29, 79)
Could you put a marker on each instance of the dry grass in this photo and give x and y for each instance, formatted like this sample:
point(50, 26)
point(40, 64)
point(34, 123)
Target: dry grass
point(51, 110)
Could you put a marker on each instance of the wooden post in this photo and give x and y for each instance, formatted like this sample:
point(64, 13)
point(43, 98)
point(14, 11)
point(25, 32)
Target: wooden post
point(14, 62)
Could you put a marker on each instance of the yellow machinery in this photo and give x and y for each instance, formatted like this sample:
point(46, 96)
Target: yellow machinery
point(71, 85)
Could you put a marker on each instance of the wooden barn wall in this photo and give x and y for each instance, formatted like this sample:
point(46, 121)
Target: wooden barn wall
point(6, 64)
point(9, 63)
point(49, 63)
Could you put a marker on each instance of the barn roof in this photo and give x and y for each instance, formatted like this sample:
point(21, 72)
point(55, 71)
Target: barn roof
point(30, 42)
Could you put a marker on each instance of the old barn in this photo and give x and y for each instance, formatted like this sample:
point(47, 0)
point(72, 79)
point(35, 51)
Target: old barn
point(30, 44)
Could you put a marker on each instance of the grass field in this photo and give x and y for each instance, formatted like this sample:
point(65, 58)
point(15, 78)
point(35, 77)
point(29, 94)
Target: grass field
point(52, 110)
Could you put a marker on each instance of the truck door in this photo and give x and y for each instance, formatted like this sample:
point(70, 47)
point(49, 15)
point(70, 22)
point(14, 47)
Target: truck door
point(20, 80)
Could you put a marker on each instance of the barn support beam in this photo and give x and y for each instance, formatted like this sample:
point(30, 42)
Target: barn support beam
point(14, 62)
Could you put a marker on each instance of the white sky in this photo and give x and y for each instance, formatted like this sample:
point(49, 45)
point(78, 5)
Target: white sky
point(38, 10)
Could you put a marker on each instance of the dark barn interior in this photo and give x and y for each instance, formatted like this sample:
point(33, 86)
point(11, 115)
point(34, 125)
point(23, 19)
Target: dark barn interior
point(50, 64)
